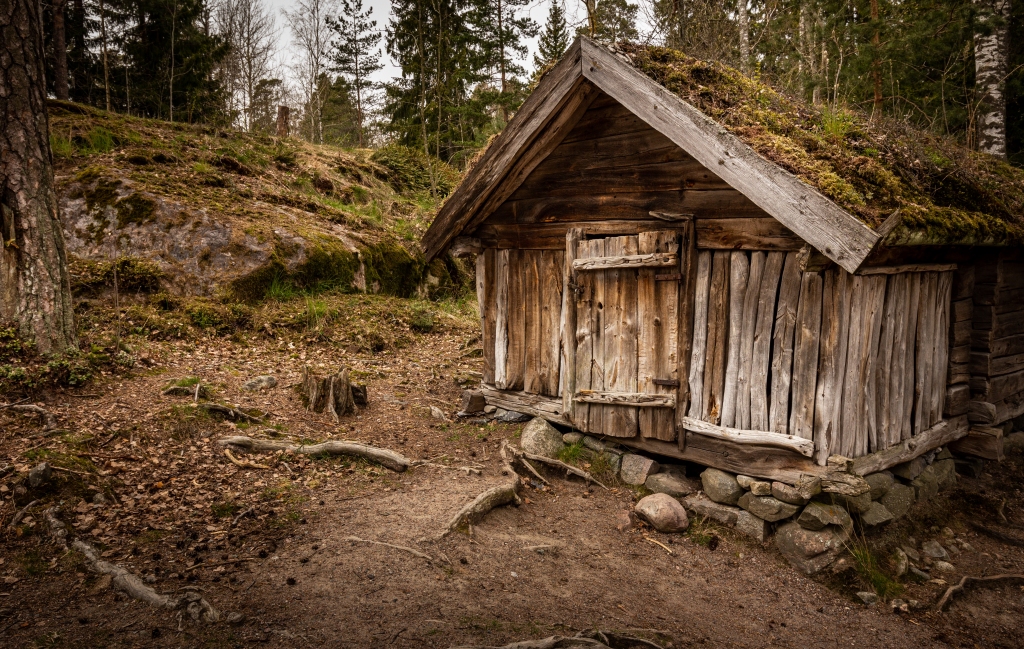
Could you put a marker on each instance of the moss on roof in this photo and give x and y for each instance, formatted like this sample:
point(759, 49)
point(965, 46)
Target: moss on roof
point(944, 192)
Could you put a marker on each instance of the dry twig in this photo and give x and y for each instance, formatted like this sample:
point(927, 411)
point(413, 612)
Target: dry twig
point(405, 548)
point(966, 581)
point(389, 459)
point(245, 465)
point(19, 514)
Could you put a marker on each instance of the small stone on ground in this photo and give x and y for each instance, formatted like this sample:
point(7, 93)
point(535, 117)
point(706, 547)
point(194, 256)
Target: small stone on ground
point(260, 383)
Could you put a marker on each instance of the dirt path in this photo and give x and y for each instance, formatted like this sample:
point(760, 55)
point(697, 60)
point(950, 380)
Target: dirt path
point(555, 565)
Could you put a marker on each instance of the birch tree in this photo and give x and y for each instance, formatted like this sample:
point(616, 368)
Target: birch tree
point(990, 49)
point(312, 38)
point(250, 29)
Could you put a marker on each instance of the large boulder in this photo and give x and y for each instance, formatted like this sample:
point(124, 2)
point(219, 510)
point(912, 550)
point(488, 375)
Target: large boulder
point(816, 516)
point(799, 494)
point(876, 515)
point(926, 484)
point(810, 551)
point(663, 512)
point(752, 526)
point(766, 507)
point(701, 505)
point(635, 469)
point(668, 483)
point(721, 487)
point(540, 438)
point(880, 483)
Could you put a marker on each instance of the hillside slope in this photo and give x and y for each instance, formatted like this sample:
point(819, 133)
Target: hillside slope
point(213, 211)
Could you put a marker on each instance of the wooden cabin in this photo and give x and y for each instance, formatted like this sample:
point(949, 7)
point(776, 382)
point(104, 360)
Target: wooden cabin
point(650, 274)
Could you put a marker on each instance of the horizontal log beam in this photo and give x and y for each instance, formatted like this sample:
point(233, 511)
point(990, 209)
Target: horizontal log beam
point(907, 268)
point(535, 405)
point(938, 435)
point(649, 260)
point(985, 442)
point(800, 445)
point(638, 399)
point(983, 412)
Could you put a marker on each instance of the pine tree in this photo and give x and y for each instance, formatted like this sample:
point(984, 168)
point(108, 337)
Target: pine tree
point(613, 20)
point(554, 40)
point(356, 53)
point(501, 31)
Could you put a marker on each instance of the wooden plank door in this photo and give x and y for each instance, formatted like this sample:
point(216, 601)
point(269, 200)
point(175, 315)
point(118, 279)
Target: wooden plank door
point(626, 334)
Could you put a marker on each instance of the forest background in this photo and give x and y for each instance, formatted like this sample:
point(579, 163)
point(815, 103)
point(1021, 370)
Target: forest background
point(443, 76)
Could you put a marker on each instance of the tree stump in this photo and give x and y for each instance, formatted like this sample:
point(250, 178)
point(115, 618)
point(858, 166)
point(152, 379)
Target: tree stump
point(331, 394)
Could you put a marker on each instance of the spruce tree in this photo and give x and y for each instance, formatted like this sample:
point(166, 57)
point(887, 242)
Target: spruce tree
point(356, 53)
point(554, 40)
point(500, 30)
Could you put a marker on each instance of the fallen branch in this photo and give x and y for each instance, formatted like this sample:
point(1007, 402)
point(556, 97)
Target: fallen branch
point(521, 454)
point(125, 581)
point(506, 450)
point(659, 543)
point(235, 520)
point(405, 548)
point(219, 563)
point(245, 465)
point(998, 535)
point(389, 459)
point(48, 420)
point(19, 514)
point(583, 640)
point(994, 580)
point(58, 530)
point(496, 496)
point(233, 414)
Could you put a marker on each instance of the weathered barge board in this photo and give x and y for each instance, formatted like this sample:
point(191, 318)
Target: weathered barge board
point(535, 405)
point(657, 336)
point(938, 435)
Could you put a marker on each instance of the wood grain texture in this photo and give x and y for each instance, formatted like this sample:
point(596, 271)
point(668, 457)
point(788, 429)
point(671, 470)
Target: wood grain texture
point(929, 439)
point(620, 337)
point(552, 262)
point(745, 234)
point(914, 282)
point(739, 274)
point(875, 307)
point(906, 268)
point(762, 346)
point(657, 336)
point(894, 380)
point(569, 322)
point(699, 347)
point(940, 367)
point(718, 331)
point(515, 361)
point(802, 446)
point(748, 318)
point(632, 399)
point(530, 270)
point(501, 274)
point(782, 344)
point(588, 336)
point(831, 365)
point(649, 260)
point(686, 328)
point(925, 353)
point(805, 357)
point(799, 207)
point(486, 284)
point(536, 405)
point(853, 390)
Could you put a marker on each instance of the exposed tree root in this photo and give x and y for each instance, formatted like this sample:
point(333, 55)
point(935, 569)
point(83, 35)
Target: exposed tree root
point(384, 457)
point(58, 530)
point(584, 640)
point(496, 496)
point(246, 464)
point(967, 581)
point(48, 420)
point(522, 455)
point(412, 551)
point(122, 579)
point(234, 414)
point(998, 535)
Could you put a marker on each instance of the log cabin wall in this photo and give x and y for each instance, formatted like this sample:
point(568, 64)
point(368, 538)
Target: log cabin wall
point(996, 338)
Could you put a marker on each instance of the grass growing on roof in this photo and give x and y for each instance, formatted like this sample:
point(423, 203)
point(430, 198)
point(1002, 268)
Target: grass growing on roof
point(943, 191)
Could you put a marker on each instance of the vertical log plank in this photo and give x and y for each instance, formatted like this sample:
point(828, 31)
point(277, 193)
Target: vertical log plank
point(941, 364)
point(531, 270)
point(620, 352)
point(516, 360)
point(501, 273)
point(782, 345)
point(698, 351)
point(657, 336)
point(751, 300)
point(925, 353)
point(853, 391)
point(875, 303)
point(805, 356)
point(914, 284)
point(586, 325)
point(718, 330)
point(485, 289)
point(739, 274)
point(827, 394)
point(762, 347)
point(551, 297)
point(569, 318)
point(896, 299)
point(685, 325)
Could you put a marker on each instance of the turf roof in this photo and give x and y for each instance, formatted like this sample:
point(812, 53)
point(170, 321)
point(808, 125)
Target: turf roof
point(943, 192)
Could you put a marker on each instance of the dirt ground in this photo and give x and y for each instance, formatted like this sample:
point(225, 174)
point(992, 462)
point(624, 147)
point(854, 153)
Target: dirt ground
point(288, 575)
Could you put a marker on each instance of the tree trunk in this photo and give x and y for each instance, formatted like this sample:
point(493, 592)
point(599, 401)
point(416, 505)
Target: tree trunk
point(35, 290)
point(876, 65)
point(60, 52)
point(744, 27)
point(990, 74)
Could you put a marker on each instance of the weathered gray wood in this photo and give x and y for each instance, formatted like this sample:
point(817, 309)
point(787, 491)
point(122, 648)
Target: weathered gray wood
point(762, 344)
point(745, 234)
point(657, 339)
point(739, 273)
point(963, 282)
point(569, 341)
point(650, 260)
point(782, 344)
point(748, 319)
point(538, 126)
point(906, 268)
point(893, 380)
point(804, 447)
point(718, 330)
point(958, 399)
point(997, 388)
point(985, 364)
point(515, 360)
point(805, 357)
point(875, 305)
point(685, 327)
point(698, 352)
point(486, 285)
point(827, 394)
point(941, 350)
point(883, 365)
point(931, 438)
point(501, 273)
point(915, 283)
point(465, 247)
point(530, 270)
point(985, 442)
point(983, 412)
point(589, 329)
point(620, 337)
point(963, 310)
point(853, 389)
point(537, 405)
point(551, 308)
point(925, 353)
point(818, 220)
point(632, 399)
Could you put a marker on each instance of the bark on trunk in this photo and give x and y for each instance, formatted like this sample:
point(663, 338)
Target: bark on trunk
point(35, 290)
point(990, 74)
point(744, 27)
point(60, 52)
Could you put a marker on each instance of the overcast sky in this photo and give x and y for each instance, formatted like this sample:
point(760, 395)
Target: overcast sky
point(537, 9)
